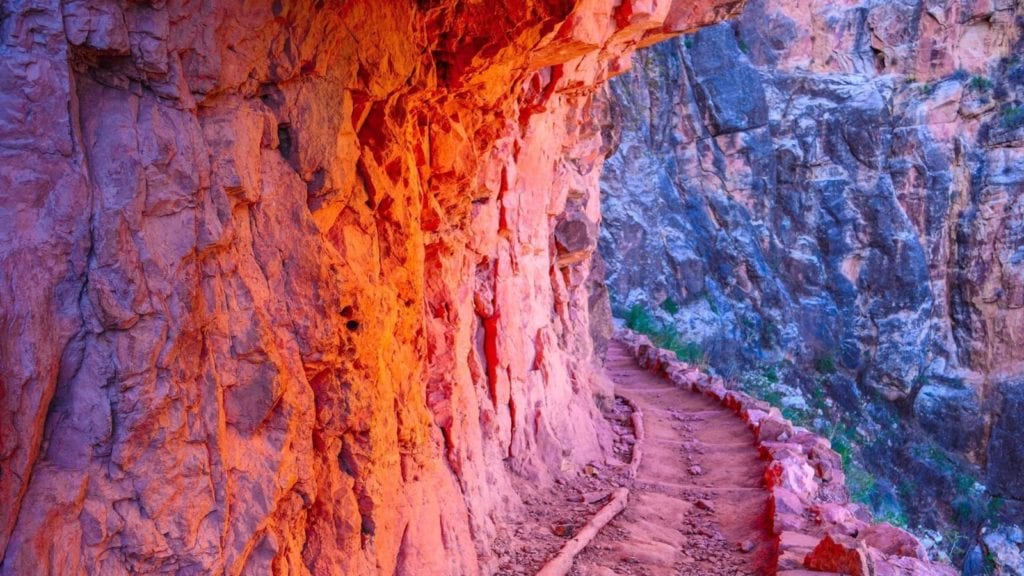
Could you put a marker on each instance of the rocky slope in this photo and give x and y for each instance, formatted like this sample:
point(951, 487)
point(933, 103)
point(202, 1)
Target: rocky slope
point(835, 189)
point(296, 287)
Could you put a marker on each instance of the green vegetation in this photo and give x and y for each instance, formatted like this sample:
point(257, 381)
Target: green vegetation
point(640, 320)
point(990, 562)
point(825, 364)
point(818, 399)
point(761, 383)
point(743, 46)
point(994, 507)
point(896, 518)
point(970, 507)
point(843, 439)
point(1012, 115)
point(688, 42)
point(798, 416)
point(670, 305)
point(980, 84)
point(847, 440)
point(859, 480)
point(927, 89)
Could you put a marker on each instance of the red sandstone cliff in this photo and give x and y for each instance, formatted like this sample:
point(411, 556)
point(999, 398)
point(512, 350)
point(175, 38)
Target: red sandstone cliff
point(296, 287)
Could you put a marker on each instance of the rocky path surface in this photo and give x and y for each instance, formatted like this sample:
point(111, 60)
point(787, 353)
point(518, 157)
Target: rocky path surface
point(697, 505)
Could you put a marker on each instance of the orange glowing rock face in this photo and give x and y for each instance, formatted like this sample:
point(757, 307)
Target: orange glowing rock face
point(282, 291)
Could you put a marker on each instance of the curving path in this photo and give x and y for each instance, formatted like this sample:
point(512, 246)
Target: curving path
point(698, 505)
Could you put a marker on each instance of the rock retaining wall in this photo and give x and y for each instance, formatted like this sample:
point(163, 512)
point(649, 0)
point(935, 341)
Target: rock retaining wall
point(818, 528)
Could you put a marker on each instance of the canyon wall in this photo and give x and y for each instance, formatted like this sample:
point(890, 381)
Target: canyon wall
point(835, 189)
point(297, 287)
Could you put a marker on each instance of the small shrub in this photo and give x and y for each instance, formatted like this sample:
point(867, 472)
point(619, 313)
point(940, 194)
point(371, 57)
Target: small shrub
point(773, 397)
point(927, 89)
point(825, 364)
point(743, 46)
point(640, 320)
point(966, 510)
point(896, 518)
point(818, 400)
point(798, 416)
point(1012, 115)
point(990, 562)
point(771, 374)
point(861, 483)
point(688, 42)
point(670, 305)
point(689, 352)
point(993, 507)
point(980, 84)
point(964, 484)
point(842, 439)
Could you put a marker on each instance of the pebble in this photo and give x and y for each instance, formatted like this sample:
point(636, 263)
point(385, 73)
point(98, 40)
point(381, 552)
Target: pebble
point(705, 505)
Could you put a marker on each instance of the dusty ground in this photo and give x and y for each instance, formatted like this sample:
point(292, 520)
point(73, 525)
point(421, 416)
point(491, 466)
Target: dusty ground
point(554, 516)
point(697, 506)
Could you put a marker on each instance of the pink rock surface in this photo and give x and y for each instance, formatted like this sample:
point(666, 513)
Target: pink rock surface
point(925, 39)
point(284, 287)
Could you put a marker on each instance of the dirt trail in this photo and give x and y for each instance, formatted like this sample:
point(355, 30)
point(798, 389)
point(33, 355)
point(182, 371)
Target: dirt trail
point(698, 505)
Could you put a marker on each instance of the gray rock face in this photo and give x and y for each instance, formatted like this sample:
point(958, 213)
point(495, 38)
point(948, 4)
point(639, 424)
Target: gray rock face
point(1005, 449)
point(836, 187)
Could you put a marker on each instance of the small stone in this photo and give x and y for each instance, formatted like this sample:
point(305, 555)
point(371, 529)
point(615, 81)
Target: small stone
point(745, 546)
point(705, 505)
point(696, 470)
point(563, 530)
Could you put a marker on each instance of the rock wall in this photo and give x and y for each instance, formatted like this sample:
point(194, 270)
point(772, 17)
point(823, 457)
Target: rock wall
point(837, 186)
point(296, 287)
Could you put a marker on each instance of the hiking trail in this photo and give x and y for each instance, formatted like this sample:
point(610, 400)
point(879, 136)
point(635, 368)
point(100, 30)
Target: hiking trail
point(698, 505)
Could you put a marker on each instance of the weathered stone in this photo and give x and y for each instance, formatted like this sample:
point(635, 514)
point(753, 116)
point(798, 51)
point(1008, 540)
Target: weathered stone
point(1006, 446)
point(288, 286)
point(839, 554)
point(892, 541)
point(837, 185)
point(1006, 549)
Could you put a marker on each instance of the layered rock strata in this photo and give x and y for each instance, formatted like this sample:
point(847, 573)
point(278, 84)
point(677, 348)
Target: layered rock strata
point(816, 525)
point(296, 287)
point(838, 186)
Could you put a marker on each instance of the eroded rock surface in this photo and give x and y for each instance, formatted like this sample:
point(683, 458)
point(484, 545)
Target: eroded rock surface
point(838, 186)
point(296, 287)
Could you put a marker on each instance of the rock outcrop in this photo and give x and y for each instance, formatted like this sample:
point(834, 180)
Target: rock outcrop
point(296, 287)
point(838, 186)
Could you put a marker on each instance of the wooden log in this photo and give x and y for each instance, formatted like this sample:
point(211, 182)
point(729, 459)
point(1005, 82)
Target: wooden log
point(561, 564)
